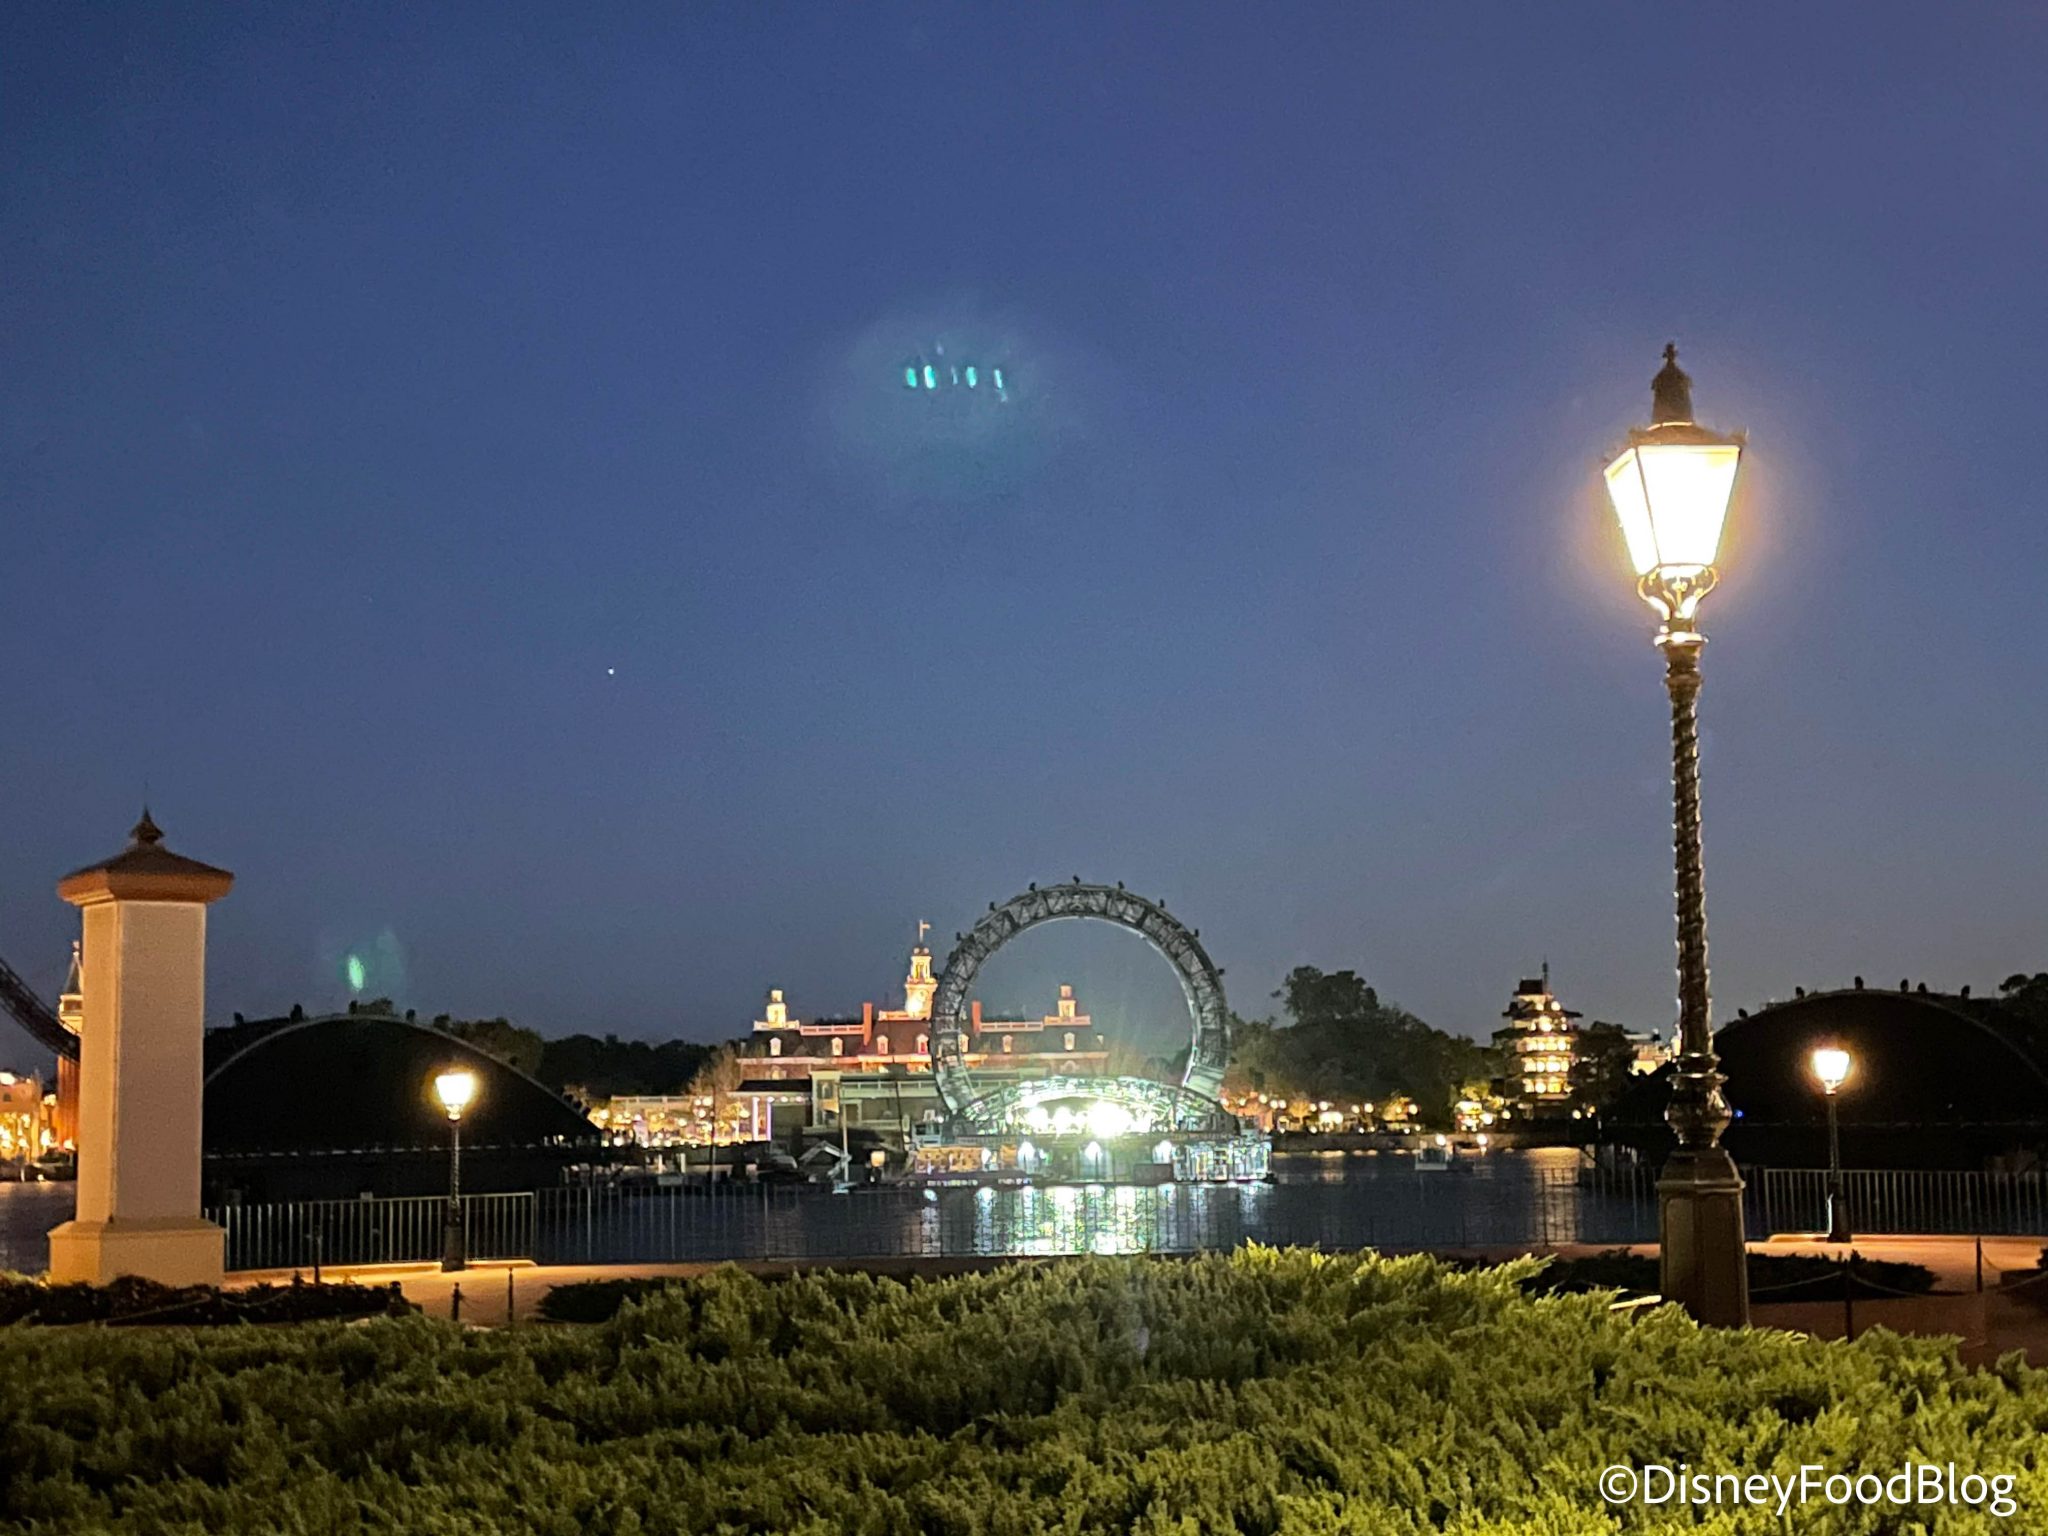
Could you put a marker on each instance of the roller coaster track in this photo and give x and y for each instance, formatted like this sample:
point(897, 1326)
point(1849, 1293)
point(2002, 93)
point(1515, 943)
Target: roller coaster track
point(33, 1014)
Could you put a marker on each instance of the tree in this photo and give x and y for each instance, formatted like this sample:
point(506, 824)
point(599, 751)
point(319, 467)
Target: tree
point(516, 1047)
point(608, 1067)
point(1314, 997)
point(1259, 1062)
point(718, 1080)
point(1344, 1042)
point(2026, 999)
point(1603, 1061)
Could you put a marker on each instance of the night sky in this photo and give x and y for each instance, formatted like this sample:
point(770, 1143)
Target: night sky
point(457, 460)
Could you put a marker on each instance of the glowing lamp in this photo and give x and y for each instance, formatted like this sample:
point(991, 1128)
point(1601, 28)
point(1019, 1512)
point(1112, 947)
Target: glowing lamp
point(1671, 486)
point(1672, 498)
point(1831, 1065)
point(455, 1090)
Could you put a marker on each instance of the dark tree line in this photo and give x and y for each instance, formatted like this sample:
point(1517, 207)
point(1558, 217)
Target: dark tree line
point(1341, 1040)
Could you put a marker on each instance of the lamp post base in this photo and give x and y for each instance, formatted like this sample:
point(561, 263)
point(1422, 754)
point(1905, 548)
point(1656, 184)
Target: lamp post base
point(454, 1245)
point(1704, 1261)
point(1838, 1216)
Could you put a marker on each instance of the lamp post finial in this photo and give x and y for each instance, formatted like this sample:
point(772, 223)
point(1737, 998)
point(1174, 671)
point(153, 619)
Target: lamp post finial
point(1670, 391)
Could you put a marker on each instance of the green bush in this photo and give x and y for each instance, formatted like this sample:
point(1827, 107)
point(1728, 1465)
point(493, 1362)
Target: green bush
point(598, 1301)
point(1772, 1276)
point(1286, 1393)
point(129, 1300)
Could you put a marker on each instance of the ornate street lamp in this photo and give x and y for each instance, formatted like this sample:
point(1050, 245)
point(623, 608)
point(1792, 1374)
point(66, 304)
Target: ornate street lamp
point(454, 1090)
point(1670, 486)
point(1831, 1066)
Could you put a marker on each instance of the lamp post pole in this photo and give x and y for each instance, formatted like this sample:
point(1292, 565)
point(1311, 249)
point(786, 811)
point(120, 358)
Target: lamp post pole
point(455, 1090)
point(1704, 1261)
point(1671, 487)
point(1832, 1065)
point(454, 1247)
point(1838, 1211)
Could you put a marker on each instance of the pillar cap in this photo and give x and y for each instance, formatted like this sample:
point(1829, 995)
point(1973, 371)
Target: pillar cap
point(145, 871)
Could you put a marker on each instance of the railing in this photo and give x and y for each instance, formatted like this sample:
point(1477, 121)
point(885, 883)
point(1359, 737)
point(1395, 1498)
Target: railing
point(1492, 1204)
point(405, 1229)
point(1938, 1201)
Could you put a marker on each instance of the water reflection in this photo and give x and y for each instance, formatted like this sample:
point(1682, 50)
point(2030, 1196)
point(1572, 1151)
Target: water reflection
point(1356, 1201)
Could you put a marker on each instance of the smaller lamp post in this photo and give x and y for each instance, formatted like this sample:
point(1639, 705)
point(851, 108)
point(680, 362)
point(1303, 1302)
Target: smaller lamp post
point(1831, 1066)
point(454, 1090)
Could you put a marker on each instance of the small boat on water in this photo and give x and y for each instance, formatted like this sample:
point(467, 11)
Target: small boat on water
point(1433, 1157)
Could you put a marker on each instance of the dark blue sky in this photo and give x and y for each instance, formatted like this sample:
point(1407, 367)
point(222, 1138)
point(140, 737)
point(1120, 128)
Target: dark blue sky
point(457, 457)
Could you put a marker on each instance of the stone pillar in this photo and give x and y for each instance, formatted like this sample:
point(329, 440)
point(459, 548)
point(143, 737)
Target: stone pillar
point(141, 1069)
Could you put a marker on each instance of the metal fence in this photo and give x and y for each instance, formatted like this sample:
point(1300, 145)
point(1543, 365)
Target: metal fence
point(1500, 1204)
point(1959, 1203)
point(404, 1229)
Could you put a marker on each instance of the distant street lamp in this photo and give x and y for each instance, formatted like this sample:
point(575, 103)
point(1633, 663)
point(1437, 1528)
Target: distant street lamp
point(1831, 1065)
point(454, 1090)
point(1670, 487)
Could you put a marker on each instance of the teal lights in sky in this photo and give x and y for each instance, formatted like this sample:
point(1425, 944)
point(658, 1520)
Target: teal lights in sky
point(943, 375)
point(357, 975)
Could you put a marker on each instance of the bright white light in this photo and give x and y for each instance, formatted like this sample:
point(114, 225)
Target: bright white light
point(1671, 499)
point(1831, 1066)
point(1163, 1153)
point(455, 1090)
point(1108, 1120)
point(1063, 1119)
point(1037, 1118)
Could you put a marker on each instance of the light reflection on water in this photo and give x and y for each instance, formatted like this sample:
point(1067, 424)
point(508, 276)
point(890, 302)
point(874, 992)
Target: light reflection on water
point(1535, 1198)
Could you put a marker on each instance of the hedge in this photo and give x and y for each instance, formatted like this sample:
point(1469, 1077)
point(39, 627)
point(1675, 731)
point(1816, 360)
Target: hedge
point(1780, 1277)
point(129, 1301)
point(1772, 1276)
point(1261, 1391)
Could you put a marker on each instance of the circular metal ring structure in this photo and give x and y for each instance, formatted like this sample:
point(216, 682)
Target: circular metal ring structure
point(1200, 981)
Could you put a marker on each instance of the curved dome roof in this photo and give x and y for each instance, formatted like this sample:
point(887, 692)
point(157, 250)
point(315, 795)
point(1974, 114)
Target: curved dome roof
point(359, 1080)
point(1938, 1080)
point(1920, 1059)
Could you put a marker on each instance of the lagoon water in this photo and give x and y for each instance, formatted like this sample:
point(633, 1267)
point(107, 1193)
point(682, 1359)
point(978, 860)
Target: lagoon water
point(1331, 1201)
point(27, 1212)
